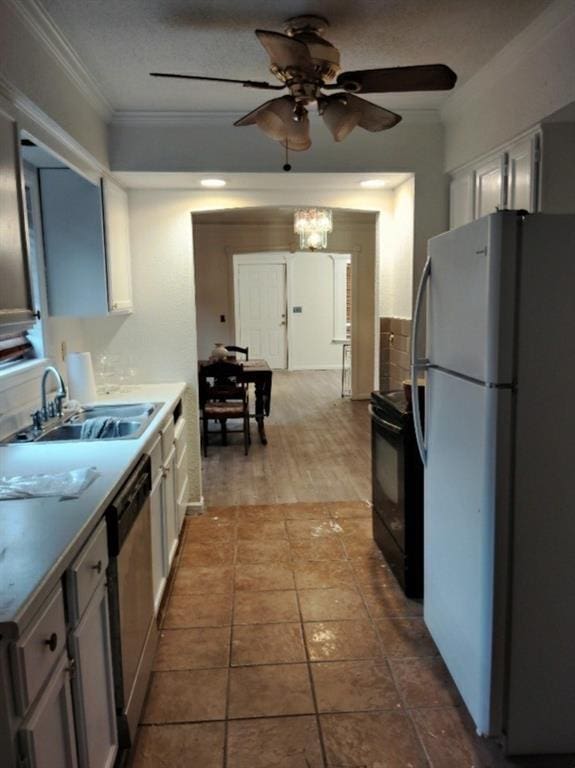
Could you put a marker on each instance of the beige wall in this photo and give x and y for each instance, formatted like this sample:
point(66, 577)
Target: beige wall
point(218, 236)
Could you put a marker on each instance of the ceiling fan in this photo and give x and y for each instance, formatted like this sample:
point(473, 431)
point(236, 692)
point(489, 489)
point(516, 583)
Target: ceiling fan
point(306, 64)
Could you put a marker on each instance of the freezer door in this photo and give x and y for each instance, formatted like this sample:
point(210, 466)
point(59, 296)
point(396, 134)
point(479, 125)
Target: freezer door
point(471, 300)
point(461, 496)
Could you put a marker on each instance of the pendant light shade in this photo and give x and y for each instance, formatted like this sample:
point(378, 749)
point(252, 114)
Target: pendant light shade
point(277, 121)
point(340, 117)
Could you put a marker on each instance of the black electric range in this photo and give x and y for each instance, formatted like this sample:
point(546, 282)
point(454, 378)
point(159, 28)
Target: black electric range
point(397, 484)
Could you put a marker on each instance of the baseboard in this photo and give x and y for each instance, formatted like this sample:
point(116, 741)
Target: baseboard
point(194, 508)
point(362, 397)
point(334, 367)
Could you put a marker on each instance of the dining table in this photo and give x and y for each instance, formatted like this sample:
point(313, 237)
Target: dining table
point(258, 373)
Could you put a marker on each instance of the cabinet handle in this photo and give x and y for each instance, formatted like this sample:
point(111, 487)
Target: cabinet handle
point(98, 567)
point(52, 642)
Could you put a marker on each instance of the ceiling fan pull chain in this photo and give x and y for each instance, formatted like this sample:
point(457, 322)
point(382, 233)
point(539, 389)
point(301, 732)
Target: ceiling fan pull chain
point(287, 166)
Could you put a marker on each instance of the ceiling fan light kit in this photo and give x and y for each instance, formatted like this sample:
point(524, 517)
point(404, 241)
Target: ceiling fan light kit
point(307, 64)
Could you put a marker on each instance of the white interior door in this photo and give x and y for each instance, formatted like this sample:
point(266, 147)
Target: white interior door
point(261, 312)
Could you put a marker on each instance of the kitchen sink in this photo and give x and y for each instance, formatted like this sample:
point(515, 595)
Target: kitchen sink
point(74, 431)
point(132, 418)
point(121, 411)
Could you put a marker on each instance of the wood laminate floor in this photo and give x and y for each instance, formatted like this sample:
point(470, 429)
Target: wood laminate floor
point(318, 448)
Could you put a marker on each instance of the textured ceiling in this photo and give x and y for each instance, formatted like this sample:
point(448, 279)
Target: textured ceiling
point(121, 41)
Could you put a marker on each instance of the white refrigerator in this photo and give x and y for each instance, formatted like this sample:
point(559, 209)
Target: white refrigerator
point(498, 444)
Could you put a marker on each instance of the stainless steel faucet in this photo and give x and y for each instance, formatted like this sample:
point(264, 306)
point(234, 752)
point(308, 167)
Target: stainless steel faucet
point(53, 408)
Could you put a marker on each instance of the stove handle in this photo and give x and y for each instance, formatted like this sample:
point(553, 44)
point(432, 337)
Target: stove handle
point(383, 423)
point(418, 365)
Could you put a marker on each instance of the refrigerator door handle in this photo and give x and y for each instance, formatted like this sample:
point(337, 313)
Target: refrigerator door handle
point(418, 365)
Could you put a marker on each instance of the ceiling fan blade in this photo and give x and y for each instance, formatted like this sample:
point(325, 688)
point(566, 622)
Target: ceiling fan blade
point(371, 117)
point(285, 51)
point(245, 83)
point(427, 77)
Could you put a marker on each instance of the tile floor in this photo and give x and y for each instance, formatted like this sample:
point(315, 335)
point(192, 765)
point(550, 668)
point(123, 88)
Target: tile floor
point(287, 643)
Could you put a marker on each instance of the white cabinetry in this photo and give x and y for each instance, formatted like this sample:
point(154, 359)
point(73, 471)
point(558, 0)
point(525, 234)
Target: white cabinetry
point(46, 737)
point(461, 199)
point(86, 245)
point(169, 504)
point(489, 186)
point(507, 178)
point(90, 649)
point(168, 499)
point(522, 160)
point(118, 259)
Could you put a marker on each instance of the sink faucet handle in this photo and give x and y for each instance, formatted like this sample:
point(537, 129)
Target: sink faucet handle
point(37, 420)
point(58, 400)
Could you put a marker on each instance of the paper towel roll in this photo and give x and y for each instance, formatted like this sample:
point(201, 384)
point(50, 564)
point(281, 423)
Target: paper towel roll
point(81, 383)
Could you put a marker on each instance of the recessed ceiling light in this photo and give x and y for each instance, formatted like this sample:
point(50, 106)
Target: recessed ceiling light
point(213, 183)
point(373, 183)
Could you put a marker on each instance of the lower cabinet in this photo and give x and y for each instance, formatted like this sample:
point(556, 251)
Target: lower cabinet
point(93, 685)
point(169, 506)
point(159, 562)
point(46, 737)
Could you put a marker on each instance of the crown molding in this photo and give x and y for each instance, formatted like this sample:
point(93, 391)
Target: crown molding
point(39, 23)
point(153, 118)
point(508, 57)
point(25, 106)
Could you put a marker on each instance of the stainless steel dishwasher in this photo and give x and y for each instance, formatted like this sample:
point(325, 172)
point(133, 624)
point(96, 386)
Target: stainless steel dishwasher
point(134, 633)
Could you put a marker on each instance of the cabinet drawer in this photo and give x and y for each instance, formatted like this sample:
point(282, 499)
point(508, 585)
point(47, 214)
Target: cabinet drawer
point(181, 471)
point(167, 433)
point(180, 438)
point(155, 454)
point(87, 571)
point(36, 654)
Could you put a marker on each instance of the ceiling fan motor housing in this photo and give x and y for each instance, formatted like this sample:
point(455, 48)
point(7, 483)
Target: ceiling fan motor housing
point(324, 55)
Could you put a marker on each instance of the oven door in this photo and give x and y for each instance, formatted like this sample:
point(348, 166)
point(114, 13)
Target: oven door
point(388, 473)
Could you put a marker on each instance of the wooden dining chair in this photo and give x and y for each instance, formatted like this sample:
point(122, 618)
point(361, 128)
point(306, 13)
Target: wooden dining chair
point(243, 350)
point(223, 396)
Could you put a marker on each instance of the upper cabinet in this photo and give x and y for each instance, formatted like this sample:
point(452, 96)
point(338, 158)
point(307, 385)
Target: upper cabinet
point(522, 167)
point(489, 186)
point(118, 258)
point(15, 296)
point(86, 244)
point(505, 179)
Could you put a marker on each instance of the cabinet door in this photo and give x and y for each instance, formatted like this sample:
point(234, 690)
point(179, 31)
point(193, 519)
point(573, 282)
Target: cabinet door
point(93, 685)
point(159, 560)
point(461, 199)
point(118, 258)
point(47, 735)
point(489, 193)
point(15, 296)
point(521, 175)
point(73, 244)
point(169, 506)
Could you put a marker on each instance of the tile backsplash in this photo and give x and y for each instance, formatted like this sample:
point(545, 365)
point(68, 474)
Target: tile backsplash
point(394, 340)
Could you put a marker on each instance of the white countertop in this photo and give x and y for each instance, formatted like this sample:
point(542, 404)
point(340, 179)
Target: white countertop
point(39, 538)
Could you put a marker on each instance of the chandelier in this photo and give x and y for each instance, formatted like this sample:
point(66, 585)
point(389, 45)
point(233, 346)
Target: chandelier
point(312, 225)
